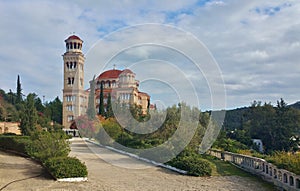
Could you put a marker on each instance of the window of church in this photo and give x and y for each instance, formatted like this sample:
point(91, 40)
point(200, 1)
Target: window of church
point(70, 98)
point(70, 118)
point(70, 107)
point(71, 46)
point(75, 63)
point(69, 80)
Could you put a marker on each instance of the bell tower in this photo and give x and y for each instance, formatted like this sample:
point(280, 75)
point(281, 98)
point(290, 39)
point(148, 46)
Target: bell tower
point(74, 96)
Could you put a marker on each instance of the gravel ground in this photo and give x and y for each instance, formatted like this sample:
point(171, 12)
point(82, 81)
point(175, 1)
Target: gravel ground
point(18, 173)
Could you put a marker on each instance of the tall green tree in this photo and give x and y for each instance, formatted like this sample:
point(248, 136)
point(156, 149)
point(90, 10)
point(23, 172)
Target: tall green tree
point(29, 116)
point(91, 112)
point(101, 103)
point(53, 110)
point(274, 125)
point(109, 111)
point(19, 91)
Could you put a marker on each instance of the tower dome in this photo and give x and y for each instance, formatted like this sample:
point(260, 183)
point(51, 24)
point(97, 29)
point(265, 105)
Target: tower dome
point(73, 44)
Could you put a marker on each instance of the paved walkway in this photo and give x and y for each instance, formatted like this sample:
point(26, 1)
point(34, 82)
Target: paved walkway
point(105, 176)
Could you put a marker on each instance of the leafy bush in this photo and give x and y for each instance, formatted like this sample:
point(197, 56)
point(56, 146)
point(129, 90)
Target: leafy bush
point(193, 164)
point(66, 167)
point(46, 145)
point(15, 143)
point(284, 160)
point(229, 145)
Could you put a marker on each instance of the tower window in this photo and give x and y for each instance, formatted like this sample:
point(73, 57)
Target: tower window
point(75, 65)
point(70, 98)
point(71, 81)
point(68, 65)
point(70, 107)
point(70, 118)
point(71, 46)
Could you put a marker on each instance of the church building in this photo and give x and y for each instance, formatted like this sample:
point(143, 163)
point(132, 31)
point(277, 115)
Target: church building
point(121, 85)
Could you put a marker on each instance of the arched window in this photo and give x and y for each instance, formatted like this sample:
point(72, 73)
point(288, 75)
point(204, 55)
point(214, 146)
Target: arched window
point(297, 183)
point(291, 181)
point(75, 45)
point(71, 46)
point(68, 65)
point(285, 178)
point(75, 63)
point(67, 45)
point(113, 83)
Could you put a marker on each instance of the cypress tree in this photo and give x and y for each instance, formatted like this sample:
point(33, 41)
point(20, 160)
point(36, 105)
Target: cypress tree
point(109, 111)
point(19, 91)
point(91, 112)
point(101, 105)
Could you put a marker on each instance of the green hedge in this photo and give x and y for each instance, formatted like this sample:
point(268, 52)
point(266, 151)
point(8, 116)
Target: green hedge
point(194, 165)
point(15, 143)
point(49, 148)
point(45, 145)
point(66, 167)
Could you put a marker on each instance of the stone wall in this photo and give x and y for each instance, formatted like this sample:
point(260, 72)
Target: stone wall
point(269, 172)
point(10, 127)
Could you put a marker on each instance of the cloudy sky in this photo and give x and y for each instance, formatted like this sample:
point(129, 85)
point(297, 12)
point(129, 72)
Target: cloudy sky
point(254, 46)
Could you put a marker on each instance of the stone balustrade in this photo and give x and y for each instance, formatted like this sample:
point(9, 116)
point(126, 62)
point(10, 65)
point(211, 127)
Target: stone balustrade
point(269, 172)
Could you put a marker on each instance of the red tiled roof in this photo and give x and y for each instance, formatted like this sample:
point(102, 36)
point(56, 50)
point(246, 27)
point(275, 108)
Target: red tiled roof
point(73, 37)
point(110, 74)
point(143, 94)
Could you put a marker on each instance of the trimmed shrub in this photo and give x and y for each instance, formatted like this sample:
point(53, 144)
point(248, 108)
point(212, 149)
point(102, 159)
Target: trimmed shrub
point(15, 143)
point(194, 165)
point(66, 167)
point(46, 145)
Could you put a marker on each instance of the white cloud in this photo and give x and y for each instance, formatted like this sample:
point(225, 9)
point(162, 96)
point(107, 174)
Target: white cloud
point(256, 43)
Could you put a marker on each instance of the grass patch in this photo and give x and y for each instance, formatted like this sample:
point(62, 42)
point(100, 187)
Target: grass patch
point(224, 168)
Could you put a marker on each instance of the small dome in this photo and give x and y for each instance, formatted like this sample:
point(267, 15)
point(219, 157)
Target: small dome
point(127, 71)
point(73, 37)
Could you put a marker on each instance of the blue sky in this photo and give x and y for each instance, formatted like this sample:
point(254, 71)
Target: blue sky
point(255, 44)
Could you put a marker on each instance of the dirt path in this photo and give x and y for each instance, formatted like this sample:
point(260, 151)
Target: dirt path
point(105, 176)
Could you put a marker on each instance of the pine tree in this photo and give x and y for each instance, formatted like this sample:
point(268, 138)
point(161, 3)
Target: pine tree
point(91, 112)
point(109, 111)
point(19, 91)
point(101, 105)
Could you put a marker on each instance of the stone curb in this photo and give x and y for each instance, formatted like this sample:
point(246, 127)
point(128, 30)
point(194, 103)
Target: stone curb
point(78, 179)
